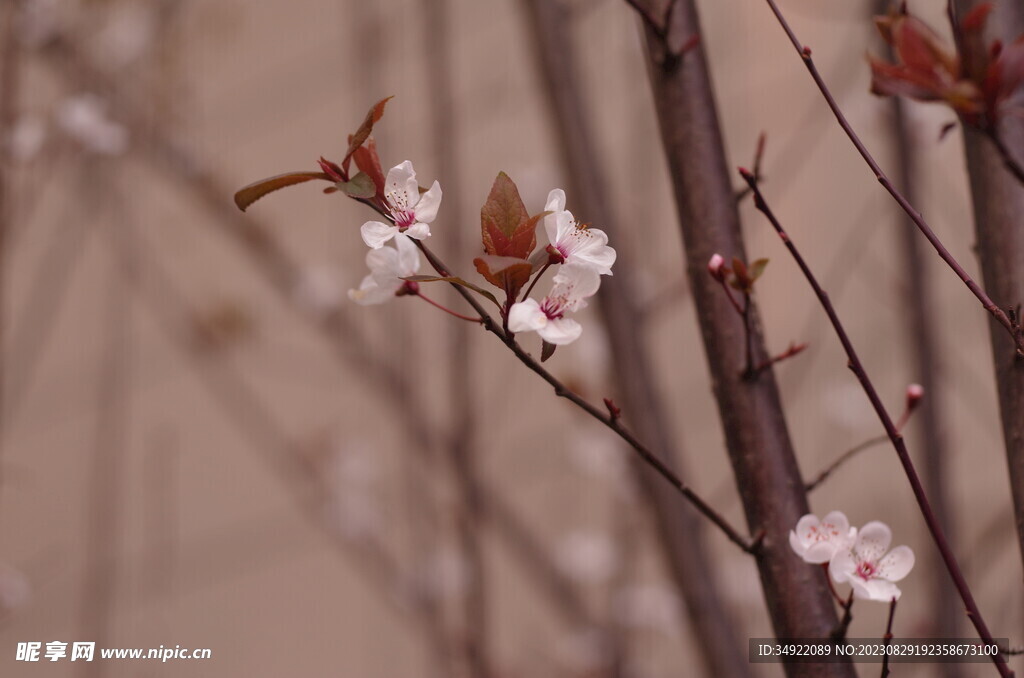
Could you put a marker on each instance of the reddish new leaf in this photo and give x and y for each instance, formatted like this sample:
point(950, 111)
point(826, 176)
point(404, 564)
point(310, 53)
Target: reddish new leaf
point(506, 227)
point(256, 190)
point(368, 162)
point(510, 274)
point(362, 134)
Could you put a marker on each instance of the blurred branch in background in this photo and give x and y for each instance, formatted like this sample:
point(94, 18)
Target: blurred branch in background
point(998, 200)
point(923, 328)
point(757, 437)
point(680, 530)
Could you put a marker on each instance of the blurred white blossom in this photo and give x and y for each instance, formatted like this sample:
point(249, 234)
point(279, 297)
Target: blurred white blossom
point(318, 289)
point(26, 137)
point(15, 590)
point(84, 118)
point(128, 34)
point(654, 607)
point(589, 557)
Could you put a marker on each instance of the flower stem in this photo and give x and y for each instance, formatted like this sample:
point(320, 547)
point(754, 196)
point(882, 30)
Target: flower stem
point(612, 422)
point(938, 535)
point(448, 310)
point(534, 282)
point(887, 638)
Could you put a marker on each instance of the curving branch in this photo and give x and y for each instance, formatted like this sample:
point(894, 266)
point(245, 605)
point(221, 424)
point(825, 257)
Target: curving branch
point(891, 429)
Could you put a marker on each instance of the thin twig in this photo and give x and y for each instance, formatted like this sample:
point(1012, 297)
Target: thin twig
point(887, 638)
point(915, 216)
point(614, 423)
point(842, 459)
point(892, 432)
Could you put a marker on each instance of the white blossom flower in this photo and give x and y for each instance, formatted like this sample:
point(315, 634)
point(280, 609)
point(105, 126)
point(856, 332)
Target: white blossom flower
point(573, 284)
point(576, 243)
point(866, 566)
point(85, 117)
point(816, 541)
point(410, 210)
point(388, 265)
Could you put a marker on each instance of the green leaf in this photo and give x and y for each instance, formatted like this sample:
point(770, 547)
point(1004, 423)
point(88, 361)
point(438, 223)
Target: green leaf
point(356, 140)
point(361, 186)
point(506, 227)
point(507, 273)
point(757, 268)
point(456, 281)
point(256, 190)
point(546, 350)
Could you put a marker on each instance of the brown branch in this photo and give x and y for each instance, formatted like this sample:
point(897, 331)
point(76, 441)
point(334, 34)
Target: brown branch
point(934, 527)
point(475, 634)
point(883, 179)
point(998, 203)
point(887, 638)
point(811, 485)
point(680, 531)
point(760, 450)
point(920, 304)
point(10, 71)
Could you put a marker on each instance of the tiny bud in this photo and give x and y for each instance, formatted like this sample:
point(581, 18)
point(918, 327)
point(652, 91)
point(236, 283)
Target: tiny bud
point(914, 394)
point(613, 410)
point(716, 266)
point(806, 51)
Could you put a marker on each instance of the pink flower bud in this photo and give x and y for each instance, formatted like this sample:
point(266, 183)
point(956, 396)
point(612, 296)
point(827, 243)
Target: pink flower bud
point(715, 266)
point(914, 394)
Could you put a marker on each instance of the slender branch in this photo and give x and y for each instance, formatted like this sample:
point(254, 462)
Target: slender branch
point(614, 423)
point(444, 308)
point(887, 638)
point(842, 459)
point(934, 526)
point(915, 216)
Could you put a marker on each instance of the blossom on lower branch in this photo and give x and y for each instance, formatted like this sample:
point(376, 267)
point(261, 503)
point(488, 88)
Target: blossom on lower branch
point(855, 556)
point(868, 568)
point(388, 265)
point(573, 284)
point(816, 541)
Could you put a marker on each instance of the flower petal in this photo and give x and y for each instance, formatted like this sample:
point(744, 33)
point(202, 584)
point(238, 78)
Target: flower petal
point(842, 566)
point(561, 331)
point(526, 316)
point(873, 541)
point(875, 589)
point(556, 201)
point(375, 233)
point(408, 256)
point(897, 564)
point(401, 186)
point(419, 231)
point(370, 292)
point(426, 208)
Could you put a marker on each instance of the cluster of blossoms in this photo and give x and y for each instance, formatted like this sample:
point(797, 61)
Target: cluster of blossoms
point(582, 254)
point(860, 557)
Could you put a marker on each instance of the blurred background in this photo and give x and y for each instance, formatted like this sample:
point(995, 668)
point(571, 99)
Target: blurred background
point(206, 444)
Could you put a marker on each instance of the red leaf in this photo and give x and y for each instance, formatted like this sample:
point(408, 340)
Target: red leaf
point(256, 190)
point(505, 225)
point(356, 140)
point(368, 162)
point(510, 274)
